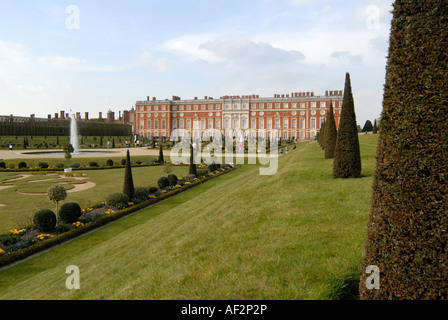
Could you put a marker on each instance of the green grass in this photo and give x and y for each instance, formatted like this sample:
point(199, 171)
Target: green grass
point(292, 235)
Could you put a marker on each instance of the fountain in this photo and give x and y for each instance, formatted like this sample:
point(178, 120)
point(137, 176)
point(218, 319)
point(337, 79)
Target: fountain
point(74, 138)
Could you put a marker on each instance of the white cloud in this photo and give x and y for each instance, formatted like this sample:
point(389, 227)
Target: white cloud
point(14, 52)
point(62, 62)
point(346, 57)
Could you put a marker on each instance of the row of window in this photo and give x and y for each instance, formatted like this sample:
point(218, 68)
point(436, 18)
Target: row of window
point(312, 104)
point(235, 124)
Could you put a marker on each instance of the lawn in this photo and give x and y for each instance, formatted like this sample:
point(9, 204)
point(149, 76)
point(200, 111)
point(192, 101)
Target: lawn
point(291, 235)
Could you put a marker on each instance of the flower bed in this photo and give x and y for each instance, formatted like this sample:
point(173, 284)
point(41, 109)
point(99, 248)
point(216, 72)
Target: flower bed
point(20, 244)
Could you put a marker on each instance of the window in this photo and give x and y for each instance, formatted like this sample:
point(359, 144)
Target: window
point(286, 105)
point(261, 124)
point(174, 108)
point(203, 107)
point(163, 124)
point(227, 106)
point(277, 105)
point(210, 107)
point(261, 105)
point(181, 124)
point(294, 123)
point(142, 125)
point(235, 106)
point(149, 125)
point(277, 123)
point(285, 135)
point(218, 124)
point(181, 108)
point(210, 123)
point(302, 123)
point(188, 107)
point(174, 124)
point(269, 123)
point(294, 105)
point(285, 124)
point(313, 123)
point(163, 108)
point(269, 105)
point(156, 124)
point(217, 107)
point(235, 124)
point(313, 104)
point(254, 124)
point(302, 105)
point(322, 120)
point(302, 135)
point(323, 104)
point(254, 106)
point(195, 107)
point(203, 124)
point(188, 124)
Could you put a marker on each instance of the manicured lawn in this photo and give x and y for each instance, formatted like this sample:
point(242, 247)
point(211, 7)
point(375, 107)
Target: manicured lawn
point(240, 236)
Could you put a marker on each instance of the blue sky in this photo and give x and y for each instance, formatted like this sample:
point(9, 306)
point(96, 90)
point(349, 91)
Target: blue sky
point(107, 55)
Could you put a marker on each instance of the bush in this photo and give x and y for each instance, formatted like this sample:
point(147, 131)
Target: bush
point(163, 182)
point(43, 165)
point(152, 190)
point(110, 163)
point(202, 172)
point(213, 167)
point(69, 212)
point(117, 199)
point(11, 165)
point(93, 164)
point(75, 165)
point(173, 179)
point(2, 165)
point(59, 165)
point(141, 192)
point(123, 162)
point(22, 165)
point(44, 220)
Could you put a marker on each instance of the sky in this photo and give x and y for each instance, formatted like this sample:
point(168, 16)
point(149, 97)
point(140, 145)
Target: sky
point(92, 56)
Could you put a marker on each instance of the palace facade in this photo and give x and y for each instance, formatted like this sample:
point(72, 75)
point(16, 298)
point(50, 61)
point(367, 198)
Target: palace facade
point(297, 116)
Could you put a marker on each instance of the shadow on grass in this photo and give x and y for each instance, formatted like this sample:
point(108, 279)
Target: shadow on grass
point(345, 288)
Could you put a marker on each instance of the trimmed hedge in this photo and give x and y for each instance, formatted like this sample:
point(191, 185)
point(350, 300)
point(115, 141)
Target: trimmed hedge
point(69, 212)
point(18, 255)
point(44, 220)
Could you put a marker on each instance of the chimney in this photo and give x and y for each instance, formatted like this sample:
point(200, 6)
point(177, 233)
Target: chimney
point(101, 115)
point(78, 115)
point(49, 116)
point(153, 98)
point(67, 115)
point(62, 114)
point(147, 98)
point(86, 116)
point(56, 115)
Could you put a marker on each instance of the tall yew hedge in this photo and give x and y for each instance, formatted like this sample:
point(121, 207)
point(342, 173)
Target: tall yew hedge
point(347, 157)
point(331, 134)
point(407, 235)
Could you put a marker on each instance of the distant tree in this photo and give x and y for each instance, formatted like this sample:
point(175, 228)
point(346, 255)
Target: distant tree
point(321, 134)
point(347, 157)
point(128, 186)
point(331, 134)
point(24, 143)
point(368, 127)
point(358, 128)
point(192, 169)
point(375, 127)
point(113, 143)
point(161, 159)
point(68, 150)
point(407, 236)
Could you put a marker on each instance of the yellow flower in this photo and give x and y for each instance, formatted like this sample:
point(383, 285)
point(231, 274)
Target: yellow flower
point(2, 251)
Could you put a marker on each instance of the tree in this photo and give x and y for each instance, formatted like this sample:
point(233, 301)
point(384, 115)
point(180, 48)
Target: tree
point(192, 169)
point(56, 193)
point(68, 150)
point(375, 127)
point(368, 127)
point(161, 160)
point(320, 136)
point(331, 134)
point(347, 158)
point(407, 236)
point(128, 186)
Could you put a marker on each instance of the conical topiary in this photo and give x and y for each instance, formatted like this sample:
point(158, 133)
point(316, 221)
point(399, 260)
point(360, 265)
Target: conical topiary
point(407, 236)
point(320, 136)
point(128, 186)
point(347, 158)
point(331, 134)
point(192, 169)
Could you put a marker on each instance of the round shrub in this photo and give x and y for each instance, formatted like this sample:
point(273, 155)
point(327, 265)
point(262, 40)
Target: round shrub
point(163, 182)
point(117, 199)
point(213, 167)
point(2, 165)
point(43, 165)
point(141, 192)
point(75, 165)
point(44, 220)
point(22, 165)
point(59, 165)
point(173, 179)
point(69, 212)
point(123, 162)
point(93, 164)
point(110, 163)
point(152, 190)
point(11, 165)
